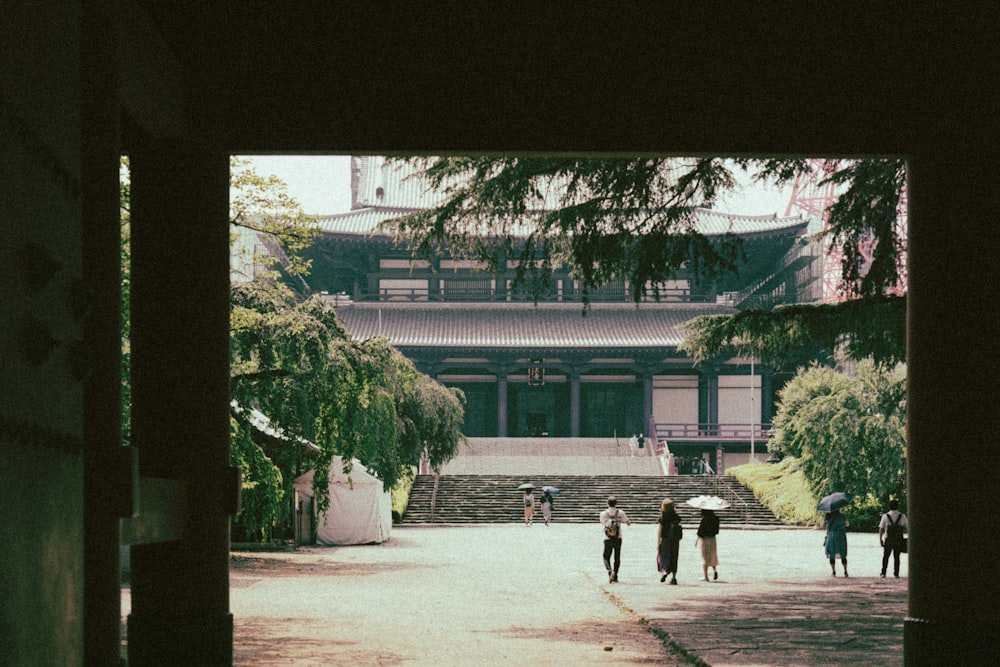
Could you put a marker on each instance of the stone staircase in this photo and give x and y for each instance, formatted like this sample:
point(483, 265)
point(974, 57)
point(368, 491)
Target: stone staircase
point(496, 499)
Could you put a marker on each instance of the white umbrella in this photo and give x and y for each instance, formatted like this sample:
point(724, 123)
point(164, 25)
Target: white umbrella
point(707, 503)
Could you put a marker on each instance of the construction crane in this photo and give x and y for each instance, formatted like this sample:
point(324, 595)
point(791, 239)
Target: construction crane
point(812, 198)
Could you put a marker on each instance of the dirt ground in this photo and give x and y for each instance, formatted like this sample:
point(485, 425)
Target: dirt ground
point(505, 594)
point(479, 595)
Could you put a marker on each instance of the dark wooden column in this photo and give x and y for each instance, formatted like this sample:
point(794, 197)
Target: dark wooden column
point(434, 279)
point(708, 403)
point(180, 397)
point(647, 404)
point(766, 394)
point(501, 402)
point(97, 362)
point(574, 403)
point(953, 408)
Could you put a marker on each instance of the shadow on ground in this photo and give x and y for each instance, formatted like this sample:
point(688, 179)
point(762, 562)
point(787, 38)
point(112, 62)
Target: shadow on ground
point(256, 642)
point(797, 623)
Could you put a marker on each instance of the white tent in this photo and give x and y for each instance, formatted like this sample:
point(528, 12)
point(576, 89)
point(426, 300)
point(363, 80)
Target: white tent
point(360, 509)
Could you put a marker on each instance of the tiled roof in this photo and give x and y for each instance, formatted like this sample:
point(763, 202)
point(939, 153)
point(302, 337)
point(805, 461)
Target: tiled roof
point(393, 185)
point(360, 222)
point(710, 223)
point(387, 189)
point(510, 325)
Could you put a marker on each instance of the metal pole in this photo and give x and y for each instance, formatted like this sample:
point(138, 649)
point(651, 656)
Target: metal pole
point(753, 454)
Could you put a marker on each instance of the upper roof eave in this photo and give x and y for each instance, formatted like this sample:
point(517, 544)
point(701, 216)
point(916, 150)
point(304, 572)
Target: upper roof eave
point(364, 222)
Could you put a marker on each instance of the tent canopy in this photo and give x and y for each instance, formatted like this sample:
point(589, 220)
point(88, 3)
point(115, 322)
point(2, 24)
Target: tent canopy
point(360, 509)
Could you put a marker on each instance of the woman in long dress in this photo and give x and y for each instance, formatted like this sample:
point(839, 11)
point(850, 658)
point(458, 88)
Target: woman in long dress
point(668, 539)
point(836, 540)
point(707, 530)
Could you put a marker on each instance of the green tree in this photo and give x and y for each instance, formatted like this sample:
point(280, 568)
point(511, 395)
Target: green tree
point(847, 432)
point(633, 219)
point(262, 204)
point(293, 361)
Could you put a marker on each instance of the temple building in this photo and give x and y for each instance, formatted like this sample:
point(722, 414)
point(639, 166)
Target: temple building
point(554, 368)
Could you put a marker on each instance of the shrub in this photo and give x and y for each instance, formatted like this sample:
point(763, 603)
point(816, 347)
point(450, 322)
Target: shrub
point(782, 488)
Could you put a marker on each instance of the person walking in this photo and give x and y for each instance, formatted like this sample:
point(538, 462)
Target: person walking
point(707, 530)
point(891, 531)
point(612, 520)
point(836, 540)
point(546, 506)
point(529, 506)
point(668, 541)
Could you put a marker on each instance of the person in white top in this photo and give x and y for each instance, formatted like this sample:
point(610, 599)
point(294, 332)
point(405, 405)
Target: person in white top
point(891, 531)
point(612, 519)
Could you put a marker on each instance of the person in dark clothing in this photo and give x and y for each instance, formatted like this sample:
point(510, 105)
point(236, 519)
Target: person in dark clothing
point(891, 535)
point(668, 539)
point(707, 530)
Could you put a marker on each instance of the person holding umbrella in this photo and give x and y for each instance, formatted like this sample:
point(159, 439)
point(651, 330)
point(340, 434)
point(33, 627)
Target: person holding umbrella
point(547, 504)
point(707, 530)
point(835, 543)
point(529, 502)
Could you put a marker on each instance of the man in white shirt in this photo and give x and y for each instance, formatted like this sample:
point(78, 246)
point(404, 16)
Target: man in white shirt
point(890, 535)
point(612, 519)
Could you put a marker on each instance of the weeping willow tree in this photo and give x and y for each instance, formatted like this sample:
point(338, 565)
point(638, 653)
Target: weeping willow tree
point(363, 401)
point(293, 361)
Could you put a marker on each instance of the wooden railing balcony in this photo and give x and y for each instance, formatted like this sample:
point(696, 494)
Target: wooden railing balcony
point(486, 294)
point(759, 432)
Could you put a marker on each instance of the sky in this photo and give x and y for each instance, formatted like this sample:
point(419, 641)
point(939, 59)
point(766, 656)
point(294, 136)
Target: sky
point(322, 185)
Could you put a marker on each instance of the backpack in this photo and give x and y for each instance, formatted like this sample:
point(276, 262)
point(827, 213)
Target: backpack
point(612, 528)
point(894, 531)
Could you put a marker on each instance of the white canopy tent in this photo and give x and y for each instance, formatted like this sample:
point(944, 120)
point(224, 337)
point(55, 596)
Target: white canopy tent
point(360, 509)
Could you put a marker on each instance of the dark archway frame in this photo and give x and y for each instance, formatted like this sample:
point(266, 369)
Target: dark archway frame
point(200, 83)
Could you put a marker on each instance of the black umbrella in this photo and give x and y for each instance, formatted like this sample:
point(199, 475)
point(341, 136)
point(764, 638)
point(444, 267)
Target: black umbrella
point(834, 501)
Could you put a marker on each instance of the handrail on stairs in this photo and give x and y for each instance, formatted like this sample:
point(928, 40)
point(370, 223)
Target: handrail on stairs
point(722, 489)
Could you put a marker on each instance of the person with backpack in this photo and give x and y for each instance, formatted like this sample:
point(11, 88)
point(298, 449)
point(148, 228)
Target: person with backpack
point(668, 541)
point(891, 535)
point(529, 506)
point(612, 520)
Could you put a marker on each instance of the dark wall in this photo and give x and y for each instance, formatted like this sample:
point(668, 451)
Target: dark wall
point(480, 408)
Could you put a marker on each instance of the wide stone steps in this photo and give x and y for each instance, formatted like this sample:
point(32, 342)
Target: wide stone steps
point(496, 498)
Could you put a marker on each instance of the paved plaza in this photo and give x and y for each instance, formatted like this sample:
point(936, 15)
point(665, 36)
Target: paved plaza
point(506, 594)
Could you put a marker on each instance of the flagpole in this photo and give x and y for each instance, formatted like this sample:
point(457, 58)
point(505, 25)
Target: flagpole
point(753, 454)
